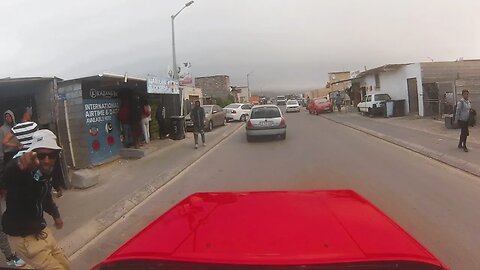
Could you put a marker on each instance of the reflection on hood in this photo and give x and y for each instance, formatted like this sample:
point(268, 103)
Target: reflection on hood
point(13, 117)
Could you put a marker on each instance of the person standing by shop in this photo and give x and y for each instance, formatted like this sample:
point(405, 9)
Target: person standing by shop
point(161, 116)
point(462, 114)
point(27, 180)
point(146, 118)
point(124, 115)
point(23, 131)
point(198, 117)
point(10, 146)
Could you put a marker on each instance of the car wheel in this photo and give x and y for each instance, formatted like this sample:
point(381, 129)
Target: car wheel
point(210, 125)
point(369, 111)
point(224, 121)
point(316, 112)
point(249, 138)
point(283, 136)
point(243, 118)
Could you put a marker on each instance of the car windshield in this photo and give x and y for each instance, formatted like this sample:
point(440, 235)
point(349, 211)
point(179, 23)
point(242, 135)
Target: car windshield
point(163, 265)
point(376, 96)
point(322, 100)
point(208, 109)
point(265, 112)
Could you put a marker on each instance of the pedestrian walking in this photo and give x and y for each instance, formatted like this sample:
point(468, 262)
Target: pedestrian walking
point(146, 118)
point(11, 145)
point(27, 180)
point(198, 117)
point(462, 114)
point(338, 102)
point(161, 116)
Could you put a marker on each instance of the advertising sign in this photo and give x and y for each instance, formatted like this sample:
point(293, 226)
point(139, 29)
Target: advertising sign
point(156, 85)
point(101, 123)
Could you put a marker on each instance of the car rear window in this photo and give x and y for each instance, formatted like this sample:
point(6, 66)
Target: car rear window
point(323, 100)
point(265, 112)
point(382, 97)
point(233, 106)
point(292, 102)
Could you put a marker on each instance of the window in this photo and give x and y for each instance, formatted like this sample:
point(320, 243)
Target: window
point(233, 106)
point(292, 102)
point(245, 107)
point(265, 112)
point(368, 99)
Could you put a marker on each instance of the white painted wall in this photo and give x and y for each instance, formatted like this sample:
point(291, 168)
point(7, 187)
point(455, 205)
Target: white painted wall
point(395, 84)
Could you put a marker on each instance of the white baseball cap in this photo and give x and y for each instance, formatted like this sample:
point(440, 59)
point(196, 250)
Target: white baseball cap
point(44, 138)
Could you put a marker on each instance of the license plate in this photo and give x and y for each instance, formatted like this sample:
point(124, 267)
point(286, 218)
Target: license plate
point(266, 124)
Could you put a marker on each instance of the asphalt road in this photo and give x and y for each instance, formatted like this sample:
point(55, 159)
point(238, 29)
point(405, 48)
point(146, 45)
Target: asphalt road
point(435, 203)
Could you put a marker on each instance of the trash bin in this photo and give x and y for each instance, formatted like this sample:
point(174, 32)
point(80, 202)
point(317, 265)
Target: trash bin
point(399, 107)
point(449, 122)
point(388, 108)
point(177, 127)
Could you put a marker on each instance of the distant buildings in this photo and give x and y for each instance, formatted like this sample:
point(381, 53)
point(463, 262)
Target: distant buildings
point(217, 86)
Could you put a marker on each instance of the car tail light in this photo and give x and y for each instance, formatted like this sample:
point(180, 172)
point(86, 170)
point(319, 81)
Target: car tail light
point(249, 124)
point(282, 123)
point(233, 111)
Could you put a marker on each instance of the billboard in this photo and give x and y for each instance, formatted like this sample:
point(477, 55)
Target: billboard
point(157, 85)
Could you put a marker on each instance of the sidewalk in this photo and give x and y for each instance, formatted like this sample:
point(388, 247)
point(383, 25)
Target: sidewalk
point(124, 184)
point(422, 135)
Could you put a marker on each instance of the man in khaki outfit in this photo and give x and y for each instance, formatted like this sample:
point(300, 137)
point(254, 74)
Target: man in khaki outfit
point(27, 180)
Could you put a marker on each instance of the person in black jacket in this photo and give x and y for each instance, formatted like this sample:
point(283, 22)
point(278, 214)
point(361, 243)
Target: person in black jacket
point(27, 180)
point(198, 118)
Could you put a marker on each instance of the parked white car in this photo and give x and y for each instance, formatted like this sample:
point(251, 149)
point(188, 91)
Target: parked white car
point(237, 111)
point(292, 106)
point(373, 103)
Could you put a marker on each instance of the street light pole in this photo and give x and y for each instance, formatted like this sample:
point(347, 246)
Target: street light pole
point(175, 68)
point(248, 86)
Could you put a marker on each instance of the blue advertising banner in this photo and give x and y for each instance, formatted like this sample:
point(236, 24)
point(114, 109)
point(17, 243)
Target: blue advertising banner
point(102, 128)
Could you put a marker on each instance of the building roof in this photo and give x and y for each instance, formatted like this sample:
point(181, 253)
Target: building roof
point(125, 77)
point(26, 79)
point(384, 68)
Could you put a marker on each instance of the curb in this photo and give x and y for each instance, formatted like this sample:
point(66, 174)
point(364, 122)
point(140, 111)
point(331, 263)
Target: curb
point(446, 159)
point(94, 227)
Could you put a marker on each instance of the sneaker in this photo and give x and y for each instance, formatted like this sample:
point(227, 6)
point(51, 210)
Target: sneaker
point(196, 146)
point(204, 144)
point(15, 261)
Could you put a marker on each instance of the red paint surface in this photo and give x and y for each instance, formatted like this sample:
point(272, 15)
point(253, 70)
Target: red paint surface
point(275, 228)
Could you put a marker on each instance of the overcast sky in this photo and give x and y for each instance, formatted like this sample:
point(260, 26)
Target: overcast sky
point(287, 44)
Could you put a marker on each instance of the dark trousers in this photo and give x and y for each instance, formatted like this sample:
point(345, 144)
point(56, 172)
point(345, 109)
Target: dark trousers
point(197, 130)
point(464, 133)
point(162, 129)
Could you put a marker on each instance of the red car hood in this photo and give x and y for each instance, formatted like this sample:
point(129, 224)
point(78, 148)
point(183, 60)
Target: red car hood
point(275, 228)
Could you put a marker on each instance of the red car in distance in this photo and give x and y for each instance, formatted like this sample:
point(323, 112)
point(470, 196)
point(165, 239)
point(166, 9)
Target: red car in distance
point(279, 230)
point(319, 105)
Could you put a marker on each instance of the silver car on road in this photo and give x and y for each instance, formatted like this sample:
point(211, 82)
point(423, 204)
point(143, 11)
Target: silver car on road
point(266, 120)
